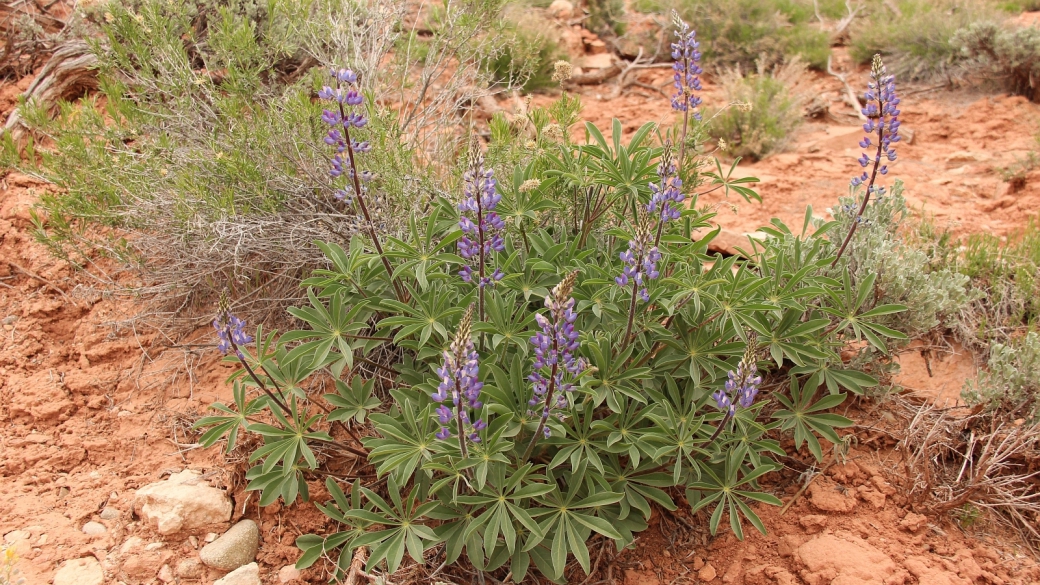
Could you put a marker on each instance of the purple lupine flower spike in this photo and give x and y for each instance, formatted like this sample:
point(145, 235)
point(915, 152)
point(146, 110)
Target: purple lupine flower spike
point(459, 389)
point(345, 115)
point(230, 329)
point(640, 262)
point(742, 384)
point(686, 68)
point(481, 227)
point(555, 364)
point(882, 126)
point(666, 194)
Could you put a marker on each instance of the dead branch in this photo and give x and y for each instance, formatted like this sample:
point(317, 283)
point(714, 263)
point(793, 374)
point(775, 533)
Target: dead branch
point(68, 72)
point(850, 95)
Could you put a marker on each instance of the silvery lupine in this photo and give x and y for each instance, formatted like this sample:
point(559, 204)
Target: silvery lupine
point(459, 390)
point(554, 361)
point(742, 384)
point(882, 128)
point(481, 226)
point(687, 70)
point(666, 195)
point(230, 329)
point(345, 117)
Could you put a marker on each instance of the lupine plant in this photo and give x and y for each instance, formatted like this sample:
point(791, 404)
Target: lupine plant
point(614, 368)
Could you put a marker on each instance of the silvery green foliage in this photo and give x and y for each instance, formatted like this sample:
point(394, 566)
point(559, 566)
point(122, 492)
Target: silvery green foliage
point(1011, 379)
point(902, 272)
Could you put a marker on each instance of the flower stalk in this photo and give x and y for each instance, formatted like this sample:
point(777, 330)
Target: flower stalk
point(554, 348)
point(882, 112)
point(344, 97)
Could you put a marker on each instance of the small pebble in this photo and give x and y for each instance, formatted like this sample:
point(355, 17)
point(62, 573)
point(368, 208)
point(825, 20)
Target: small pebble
point(288, 574)
point(211, 537)
point(94, 528)
point(62, 492)
point(109, 514)
point(193, 541)
point(153, 546)
point(166, 574)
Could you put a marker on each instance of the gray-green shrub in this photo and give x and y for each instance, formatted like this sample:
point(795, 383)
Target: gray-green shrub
point(763, 109)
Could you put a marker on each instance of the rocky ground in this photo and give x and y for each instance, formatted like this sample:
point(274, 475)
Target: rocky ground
point(102, 481)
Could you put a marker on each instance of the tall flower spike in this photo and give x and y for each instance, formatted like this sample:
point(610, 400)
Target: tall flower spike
point(686, 73)
point(230, 329)
point(482, 228)
point(459, 389)
point(686, 68)
point(741, 386)
point(344, 116)
point(555, 364)
point(882, 126)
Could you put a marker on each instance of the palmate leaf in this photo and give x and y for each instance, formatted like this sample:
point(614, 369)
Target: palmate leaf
point(567, 518)
point(807, 419)
point(404, 442)
point(722, 484)
point(848, 304)
point(352, 401)
point(316, 546)
point(641, 486)
point(403, 518)
point(337, 328)
point(285, 482)
point(229, 426)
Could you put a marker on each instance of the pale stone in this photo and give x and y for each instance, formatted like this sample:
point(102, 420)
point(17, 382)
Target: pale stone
point(600, 61)
point(85, 571)
point(189, 569)
point(94, 528)
point(234, 548)
point(183, 502)
point(561, 9)
point(245, 575)
point(109, 514)
point(131, 544)
point(166, 574)
point(288, 573)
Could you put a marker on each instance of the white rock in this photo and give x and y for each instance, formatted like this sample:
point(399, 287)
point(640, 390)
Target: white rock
point(166, 574)
point(16, 535)
point(109, 514)
point(132, 543)
point(93, 528)
point(245, 575)
point(561, 9)
point(288, 573)
point(234, 548)
point(85, 571)
point(189, 569)
point(183, 502)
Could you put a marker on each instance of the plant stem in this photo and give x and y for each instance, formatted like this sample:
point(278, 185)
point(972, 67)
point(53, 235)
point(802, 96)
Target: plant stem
point(259, 382)
point(631, 313)
point(685, 124)
point(870, 185)
point(480, 242)
point(545, 414)
point(458, 420)
point(364, 208)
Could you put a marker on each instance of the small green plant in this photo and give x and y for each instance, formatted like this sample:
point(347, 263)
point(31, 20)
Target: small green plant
point(765, 107)
point(1011, 380)
point(529, 59)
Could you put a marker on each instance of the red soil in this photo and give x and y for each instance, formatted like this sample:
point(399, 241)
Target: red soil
point(91, 409)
